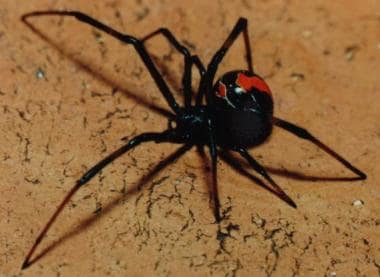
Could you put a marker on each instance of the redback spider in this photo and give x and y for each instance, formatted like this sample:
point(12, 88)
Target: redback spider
point(238, 113)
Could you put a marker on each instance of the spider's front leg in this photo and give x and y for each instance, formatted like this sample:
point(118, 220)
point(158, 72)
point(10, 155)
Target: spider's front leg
point(145, 137)
point(137, 44)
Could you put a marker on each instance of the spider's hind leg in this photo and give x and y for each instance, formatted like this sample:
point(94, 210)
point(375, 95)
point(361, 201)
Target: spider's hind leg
point(261, 170)
point(207, 82)
point(304, 134)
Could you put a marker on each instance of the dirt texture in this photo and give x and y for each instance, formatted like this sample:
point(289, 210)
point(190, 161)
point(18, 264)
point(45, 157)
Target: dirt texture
point(69, 95)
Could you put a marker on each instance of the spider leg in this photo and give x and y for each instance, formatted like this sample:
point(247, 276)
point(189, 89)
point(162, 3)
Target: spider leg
point(304, 134)
point(199, 65)
point(145, 137)
point(214, 167)
point(202, 72)
point(248, 51)
point(194, 60)
point(241, 26)
point(189, 60)
point(138, 45)
point(261, 170)
point(207, 82)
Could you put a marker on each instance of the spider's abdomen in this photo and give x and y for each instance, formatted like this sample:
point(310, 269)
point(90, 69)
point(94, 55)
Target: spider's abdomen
point(243, 109)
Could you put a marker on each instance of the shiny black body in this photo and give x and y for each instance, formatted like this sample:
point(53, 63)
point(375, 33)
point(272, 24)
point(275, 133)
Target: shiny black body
point(241, 129)
point(246, 119)
point(233, 113)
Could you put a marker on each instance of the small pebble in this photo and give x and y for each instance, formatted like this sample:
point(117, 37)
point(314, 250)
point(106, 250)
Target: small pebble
point(258, 221)
point(40, 74)
point(350, 52)
point(358, 203)
point(297, 76)
point(86, 85)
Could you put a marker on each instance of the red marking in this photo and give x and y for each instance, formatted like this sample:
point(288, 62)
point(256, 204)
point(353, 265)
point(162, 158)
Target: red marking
point(248, 83)
point(222, 91)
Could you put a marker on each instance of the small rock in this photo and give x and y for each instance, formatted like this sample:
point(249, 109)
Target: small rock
point(40, 74)
point(357, 203)
point(258, 221)
point(350, 52)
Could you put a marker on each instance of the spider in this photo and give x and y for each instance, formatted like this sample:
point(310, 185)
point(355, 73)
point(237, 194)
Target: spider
point(238, 113)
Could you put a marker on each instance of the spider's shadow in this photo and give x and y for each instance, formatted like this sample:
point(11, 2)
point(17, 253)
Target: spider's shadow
point(227, 157)
point(90, 220)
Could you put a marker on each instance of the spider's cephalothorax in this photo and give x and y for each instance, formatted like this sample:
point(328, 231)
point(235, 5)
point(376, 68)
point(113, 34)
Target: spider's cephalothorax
point(238, 113)
point(190, 125)
point(243, 109)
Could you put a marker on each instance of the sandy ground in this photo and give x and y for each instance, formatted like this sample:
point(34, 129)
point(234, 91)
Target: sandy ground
point(69, 98)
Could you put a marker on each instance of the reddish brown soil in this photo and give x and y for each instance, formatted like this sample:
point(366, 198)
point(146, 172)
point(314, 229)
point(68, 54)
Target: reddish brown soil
point(67, 100)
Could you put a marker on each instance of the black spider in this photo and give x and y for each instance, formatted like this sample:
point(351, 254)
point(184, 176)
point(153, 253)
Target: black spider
point(238, 114)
